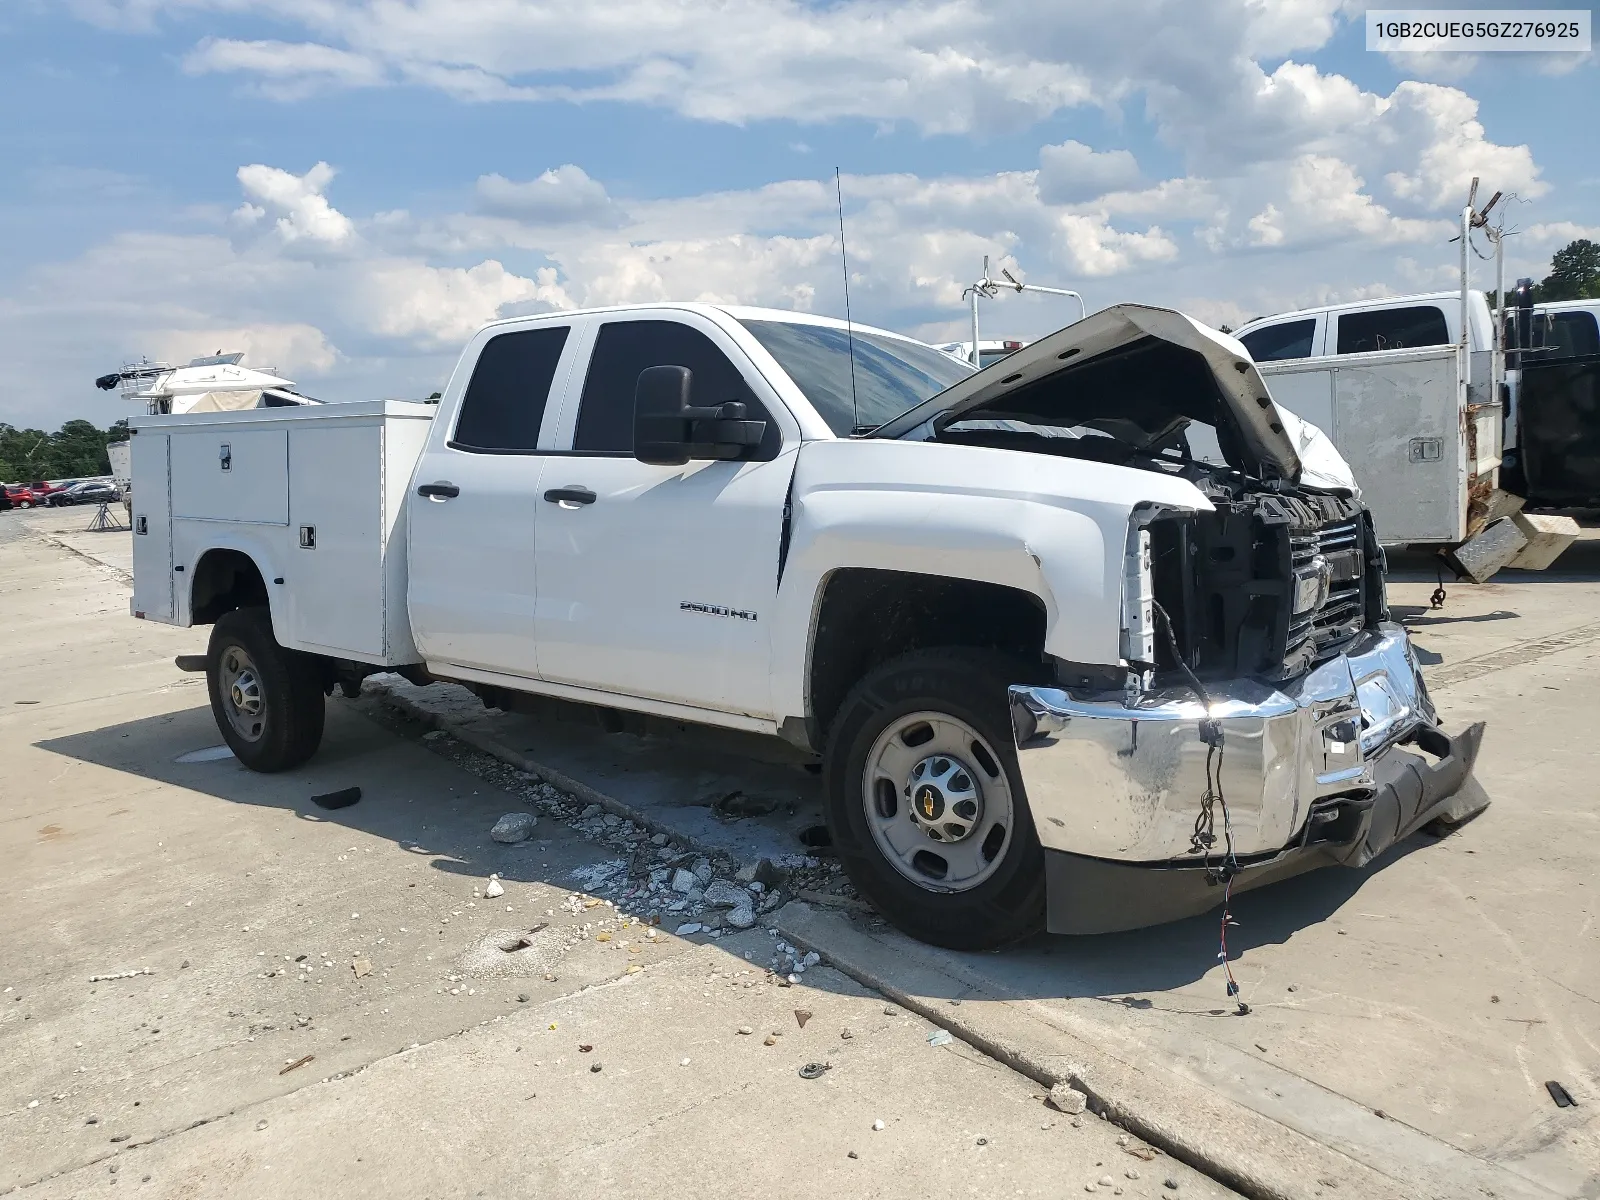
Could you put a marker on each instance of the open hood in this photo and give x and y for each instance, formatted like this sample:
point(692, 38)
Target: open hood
point(1129, 367)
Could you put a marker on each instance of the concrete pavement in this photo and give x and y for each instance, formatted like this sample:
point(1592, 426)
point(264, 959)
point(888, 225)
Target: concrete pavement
point(267, 929)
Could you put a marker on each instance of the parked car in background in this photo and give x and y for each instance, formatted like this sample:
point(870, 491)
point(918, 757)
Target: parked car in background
point(22, 495)
point(90, 491)
point(5, 500)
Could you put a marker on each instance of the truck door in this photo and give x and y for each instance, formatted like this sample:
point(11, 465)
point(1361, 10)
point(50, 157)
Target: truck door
point(475, 496)
point(659, 581)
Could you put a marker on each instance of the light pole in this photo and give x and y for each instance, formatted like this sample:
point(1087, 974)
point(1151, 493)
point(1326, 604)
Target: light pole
point(990, 288)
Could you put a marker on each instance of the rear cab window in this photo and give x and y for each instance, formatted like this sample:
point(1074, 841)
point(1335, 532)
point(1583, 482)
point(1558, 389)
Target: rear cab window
point(1392, 329)
point(505, 401)
point(1571, 335)
point(623, 349)
point(1274, 343)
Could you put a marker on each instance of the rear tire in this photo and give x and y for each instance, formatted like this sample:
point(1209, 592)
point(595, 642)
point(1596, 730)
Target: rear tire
point(996, 890)
point(267, 700)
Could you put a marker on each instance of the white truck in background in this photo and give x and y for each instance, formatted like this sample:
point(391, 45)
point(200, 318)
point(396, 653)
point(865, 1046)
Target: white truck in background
point(1012, 614)
point(1418, 406)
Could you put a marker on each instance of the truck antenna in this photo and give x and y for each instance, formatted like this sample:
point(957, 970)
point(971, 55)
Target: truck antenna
point(849, 328)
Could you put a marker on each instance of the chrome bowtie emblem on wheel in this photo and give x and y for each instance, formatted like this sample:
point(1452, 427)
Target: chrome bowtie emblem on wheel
point(929, 803)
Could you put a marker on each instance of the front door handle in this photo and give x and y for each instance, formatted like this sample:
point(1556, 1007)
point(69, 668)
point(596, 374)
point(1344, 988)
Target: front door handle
point(441, 491)
point(569, 496)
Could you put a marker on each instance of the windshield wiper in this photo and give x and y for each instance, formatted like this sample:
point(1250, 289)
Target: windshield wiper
point(863, 430)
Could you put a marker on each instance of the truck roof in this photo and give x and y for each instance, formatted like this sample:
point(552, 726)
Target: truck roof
point(1349, 305)
point(739, 312)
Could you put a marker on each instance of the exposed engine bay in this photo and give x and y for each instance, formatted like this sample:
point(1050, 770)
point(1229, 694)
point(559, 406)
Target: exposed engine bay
point(1277, 578)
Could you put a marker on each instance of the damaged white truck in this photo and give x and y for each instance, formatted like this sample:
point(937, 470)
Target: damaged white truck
point(1060, 672)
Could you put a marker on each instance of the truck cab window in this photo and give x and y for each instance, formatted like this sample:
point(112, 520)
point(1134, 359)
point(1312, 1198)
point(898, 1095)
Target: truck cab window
point(623, 350)
point(1571, 335)
point(1392, 329)
point(1292, 339)
point(505, 400)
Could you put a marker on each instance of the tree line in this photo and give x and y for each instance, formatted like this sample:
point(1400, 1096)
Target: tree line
point(76, 450)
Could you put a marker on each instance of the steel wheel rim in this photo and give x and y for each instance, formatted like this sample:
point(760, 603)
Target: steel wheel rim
point(938, 802)
point(243, 702)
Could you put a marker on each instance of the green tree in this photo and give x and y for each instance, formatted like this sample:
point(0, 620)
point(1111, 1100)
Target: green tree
point(1574, 273)
point(77, 449)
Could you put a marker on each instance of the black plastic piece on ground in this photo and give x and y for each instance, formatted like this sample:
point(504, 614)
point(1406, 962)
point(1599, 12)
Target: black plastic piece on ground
point(1559, 1094)
point(343, 799)
point(191, 662)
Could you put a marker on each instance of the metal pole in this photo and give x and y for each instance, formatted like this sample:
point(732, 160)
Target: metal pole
point(973, 357)
point(1466, 284)
point(1497, 369)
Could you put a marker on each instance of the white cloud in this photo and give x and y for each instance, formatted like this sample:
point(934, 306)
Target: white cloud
point(289, 69)
point(293, 350)
point(439, 307)
point(307, 215)
point(1441, 126)
point(1072, 171)
point(560, 196)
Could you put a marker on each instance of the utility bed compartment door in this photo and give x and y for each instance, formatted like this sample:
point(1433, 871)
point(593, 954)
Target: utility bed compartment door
point(335, 556)
point(1397, 418)
point(1399, 425)
point(223, 474)
point(152, 526)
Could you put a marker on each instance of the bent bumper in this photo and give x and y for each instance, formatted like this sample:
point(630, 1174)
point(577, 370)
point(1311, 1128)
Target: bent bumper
point(1312, 772)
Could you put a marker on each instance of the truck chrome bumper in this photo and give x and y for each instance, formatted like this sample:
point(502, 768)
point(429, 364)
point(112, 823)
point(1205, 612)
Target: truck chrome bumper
point(1314, 764)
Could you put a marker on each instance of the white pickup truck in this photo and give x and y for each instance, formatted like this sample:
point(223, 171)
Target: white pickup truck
point(1059, 671)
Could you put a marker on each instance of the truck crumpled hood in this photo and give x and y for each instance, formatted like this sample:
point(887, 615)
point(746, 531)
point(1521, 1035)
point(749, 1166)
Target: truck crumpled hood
point(1135, 362)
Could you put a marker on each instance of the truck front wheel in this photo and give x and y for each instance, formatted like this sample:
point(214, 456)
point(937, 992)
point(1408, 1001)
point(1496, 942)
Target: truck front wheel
point(926, 805)
point(267, 700)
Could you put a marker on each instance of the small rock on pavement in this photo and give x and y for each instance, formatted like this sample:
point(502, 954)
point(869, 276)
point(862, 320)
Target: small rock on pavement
point(684, 881)
point(691, 927)
point(492, 889)
point(1107, 1181)
point(878, 1126)
point(362, 967)
point(1170, 1184)
point(513, 827)
point(1066, 1098)
point(742, 917)
point(746, 1030)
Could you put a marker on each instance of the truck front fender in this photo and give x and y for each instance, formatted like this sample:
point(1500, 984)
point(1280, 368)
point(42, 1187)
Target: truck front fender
point(1054, 528)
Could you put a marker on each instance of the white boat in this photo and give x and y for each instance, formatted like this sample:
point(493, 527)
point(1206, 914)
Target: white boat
point(215, 383)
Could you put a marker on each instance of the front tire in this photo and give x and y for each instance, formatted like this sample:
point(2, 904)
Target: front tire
point(267, 700)
point(925, 803)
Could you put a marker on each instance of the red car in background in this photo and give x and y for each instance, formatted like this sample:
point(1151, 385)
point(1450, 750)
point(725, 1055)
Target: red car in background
point(23, 495)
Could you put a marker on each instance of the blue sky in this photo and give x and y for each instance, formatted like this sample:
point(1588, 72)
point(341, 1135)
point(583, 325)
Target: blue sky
point(344, 190)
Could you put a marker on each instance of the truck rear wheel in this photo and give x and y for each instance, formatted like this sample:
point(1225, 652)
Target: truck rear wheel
point(267, 700)
point(925, 803)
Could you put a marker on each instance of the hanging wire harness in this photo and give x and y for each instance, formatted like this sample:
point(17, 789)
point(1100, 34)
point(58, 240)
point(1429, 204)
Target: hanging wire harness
point(1204, 838)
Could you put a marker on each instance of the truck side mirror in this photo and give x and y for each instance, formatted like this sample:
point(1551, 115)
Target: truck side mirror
point(669, 431)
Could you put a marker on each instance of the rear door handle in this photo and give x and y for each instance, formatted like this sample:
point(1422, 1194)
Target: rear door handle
point(567, 496)
point(443, 490)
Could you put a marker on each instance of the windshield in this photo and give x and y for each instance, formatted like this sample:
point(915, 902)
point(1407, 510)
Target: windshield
point(891, 375)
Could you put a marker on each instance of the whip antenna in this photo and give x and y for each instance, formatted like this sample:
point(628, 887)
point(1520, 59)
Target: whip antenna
point(849, 329)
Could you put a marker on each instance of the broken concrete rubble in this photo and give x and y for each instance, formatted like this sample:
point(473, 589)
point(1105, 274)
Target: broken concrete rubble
point(1065, 1098)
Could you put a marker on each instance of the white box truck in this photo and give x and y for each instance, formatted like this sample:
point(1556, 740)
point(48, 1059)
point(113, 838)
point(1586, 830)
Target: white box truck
point(1057, 670)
